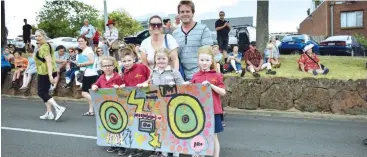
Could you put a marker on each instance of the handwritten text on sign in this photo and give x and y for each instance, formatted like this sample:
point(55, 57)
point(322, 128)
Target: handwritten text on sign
point(161, 118)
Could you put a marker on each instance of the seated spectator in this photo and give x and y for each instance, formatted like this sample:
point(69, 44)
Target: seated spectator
point(234, 59)
point(61, 60)
point(218, 58)
point(5, 67)
point(271, 56)
point(71, 67)
point(254, 61)
point(20, 64)
point(31, 69)
point(8, 54)
point(97, 65)
point(309, 62)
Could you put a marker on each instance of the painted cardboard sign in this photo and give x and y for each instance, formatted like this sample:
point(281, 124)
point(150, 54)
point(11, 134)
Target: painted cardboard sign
point(178, 119)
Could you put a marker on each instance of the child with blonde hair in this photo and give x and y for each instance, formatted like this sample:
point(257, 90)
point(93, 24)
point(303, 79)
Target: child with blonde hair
point(207, 68)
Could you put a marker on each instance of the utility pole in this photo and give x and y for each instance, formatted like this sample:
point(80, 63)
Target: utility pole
point(105, 14)
point(4, 32)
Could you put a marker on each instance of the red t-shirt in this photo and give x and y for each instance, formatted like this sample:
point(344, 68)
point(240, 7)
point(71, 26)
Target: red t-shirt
point(114, 80)
point(137, 74)
point(214, 78)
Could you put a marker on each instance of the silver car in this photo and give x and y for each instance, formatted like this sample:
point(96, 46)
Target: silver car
point(67, 42)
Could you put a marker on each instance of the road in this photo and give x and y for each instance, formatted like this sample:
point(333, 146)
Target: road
point(245, 136)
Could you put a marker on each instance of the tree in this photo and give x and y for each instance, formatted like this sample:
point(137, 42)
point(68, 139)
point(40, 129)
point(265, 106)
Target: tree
point(125, 24)
point(262, 25)
point(65, 18)
point(34, 28)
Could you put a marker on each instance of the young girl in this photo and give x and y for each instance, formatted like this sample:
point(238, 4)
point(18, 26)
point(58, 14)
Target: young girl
point(20, 65)
point(235, 59)
point(208, 76)
point(70, 68)
point(218, 57)
point(163, 74)
point(31, 69)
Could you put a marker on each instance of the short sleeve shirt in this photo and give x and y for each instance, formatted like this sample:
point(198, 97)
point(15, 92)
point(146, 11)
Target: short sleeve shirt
point(63, 57)
point(189, 44)
point(147, 47)
point(41, 67)
point(223, 33)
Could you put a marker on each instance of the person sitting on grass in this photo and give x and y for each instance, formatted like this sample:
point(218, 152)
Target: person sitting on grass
point(218, 58)
point(20, 64)
point(271, 56)
point(71, 67)
point(309, 62)
point(31, 69)
point(254, 61)
point(234, 59)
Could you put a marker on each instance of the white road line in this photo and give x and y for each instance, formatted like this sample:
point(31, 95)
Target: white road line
point(49, 133)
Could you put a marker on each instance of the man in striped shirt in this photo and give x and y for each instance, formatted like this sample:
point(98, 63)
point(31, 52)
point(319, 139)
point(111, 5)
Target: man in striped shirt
point(190, 37)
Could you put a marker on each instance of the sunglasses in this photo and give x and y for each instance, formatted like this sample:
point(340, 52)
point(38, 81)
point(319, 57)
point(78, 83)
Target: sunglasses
point(221, 14)
point(154, 25)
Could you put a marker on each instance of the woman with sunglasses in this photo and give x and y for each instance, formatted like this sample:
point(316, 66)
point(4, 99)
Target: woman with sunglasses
point(156, 41)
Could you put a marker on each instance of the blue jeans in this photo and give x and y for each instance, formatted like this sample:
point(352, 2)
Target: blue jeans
point(70, 74)
point(238, 66)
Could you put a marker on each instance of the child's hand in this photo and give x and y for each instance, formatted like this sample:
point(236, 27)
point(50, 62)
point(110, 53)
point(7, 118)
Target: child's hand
point(122, 86)
point(171, 83)
point(142, 85)
point(95, 87)
point(205, 83)
point(116, 86)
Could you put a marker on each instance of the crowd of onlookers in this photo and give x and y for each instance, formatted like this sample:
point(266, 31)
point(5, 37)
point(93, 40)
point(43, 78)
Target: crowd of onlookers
point(168, 56)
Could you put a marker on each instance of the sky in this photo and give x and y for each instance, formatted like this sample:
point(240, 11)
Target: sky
point(284, 15)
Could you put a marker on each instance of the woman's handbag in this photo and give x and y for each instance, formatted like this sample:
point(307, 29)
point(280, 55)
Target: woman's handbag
point(80, 76)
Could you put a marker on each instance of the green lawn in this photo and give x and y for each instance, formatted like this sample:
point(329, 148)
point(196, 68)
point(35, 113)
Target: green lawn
point(341, 67)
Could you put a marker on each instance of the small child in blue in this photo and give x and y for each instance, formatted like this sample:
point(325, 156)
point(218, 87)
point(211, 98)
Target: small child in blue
point(71, 67)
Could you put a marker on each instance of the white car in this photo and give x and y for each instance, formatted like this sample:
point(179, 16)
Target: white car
point(19, 43)
point(67, 42)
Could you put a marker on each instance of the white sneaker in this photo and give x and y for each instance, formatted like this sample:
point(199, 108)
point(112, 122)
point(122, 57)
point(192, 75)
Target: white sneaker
point(47, 115)
point(59, 112)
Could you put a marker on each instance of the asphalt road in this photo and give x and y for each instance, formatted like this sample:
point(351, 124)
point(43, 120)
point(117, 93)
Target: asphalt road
point(245, 136)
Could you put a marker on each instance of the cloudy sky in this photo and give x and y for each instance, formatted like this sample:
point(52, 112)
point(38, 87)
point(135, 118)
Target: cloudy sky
point(284, 15)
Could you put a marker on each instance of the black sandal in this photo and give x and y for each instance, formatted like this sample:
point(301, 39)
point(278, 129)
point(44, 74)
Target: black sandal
point(88, 114)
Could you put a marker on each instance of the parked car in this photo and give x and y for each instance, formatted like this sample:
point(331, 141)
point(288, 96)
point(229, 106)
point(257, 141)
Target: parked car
point(232, 39)
point(138, 38)
point(342, 45)
point(294, 44)
point(19, 43)
point(243, 36)
point(67, 42)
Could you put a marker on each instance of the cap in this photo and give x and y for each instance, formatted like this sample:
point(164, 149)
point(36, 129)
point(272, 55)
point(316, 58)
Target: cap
point(307, 47)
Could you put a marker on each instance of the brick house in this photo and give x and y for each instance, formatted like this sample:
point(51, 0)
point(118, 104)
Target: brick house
point(347, 18)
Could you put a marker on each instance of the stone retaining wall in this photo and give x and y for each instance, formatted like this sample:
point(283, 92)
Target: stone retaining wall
point(307, 95)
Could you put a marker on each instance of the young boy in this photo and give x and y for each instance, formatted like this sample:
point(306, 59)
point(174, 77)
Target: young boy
point(109, 79)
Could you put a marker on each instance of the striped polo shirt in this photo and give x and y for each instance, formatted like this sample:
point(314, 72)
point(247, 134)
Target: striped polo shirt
point(189, 44)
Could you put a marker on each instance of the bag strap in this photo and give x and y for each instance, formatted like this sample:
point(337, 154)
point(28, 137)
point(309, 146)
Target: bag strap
point(311, 58)
point(43, 59)
point(165, 41)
